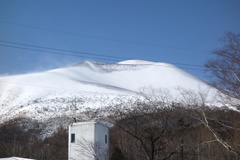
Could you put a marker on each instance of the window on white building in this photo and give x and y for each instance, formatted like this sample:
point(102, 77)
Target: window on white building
point(105, 138)
point(73, 138)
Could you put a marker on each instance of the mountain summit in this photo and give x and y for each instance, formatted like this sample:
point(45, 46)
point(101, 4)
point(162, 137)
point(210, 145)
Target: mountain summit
point(93, 84)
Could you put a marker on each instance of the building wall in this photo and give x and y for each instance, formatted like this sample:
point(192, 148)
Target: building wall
point(102, 138)
point(91, 141)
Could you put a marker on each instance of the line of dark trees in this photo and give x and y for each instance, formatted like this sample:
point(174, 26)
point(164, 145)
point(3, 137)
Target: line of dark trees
point(168, 133)
point(175, 133)
point(17, 141)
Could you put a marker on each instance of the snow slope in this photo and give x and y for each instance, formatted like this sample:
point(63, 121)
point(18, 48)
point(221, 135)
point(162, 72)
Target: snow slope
point(88, 85)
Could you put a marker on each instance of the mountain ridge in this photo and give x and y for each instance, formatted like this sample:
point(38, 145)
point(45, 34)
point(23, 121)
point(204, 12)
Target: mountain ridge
point(95, 84)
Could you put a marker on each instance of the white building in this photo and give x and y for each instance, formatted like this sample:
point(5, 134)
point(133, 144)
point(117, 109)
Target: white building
point(88, 141)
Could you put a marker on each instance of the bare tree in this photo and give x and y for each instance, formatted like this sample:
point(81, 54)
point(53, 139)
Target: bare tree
point(151, 94)
point(149, 131)
point(200, 111)
point(224, 68)
point(217, 127)
point(92, 150)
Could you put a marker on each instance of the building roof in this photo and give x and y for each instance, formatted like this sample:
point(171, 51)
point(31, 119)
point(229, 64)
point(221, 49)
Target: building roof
point(15, 158)
point(89, 122)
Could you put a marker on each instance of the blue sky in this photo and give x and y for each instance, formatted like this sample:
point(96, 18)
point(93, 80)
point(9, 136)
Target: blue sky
point(177, 32)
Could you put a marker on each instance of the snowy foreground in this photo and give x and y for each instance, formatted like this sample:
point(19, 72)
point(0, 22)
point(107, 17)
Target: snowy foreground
point(91, 85)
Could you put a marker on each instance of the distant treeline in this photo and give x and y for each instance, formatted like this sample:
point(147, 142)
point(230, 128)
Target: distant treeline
point(173, 133)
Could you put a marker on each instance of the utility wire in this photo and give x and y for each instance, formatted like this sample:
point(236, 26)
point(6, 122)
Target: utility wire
point(103, 38)
point(79, 52)
point(62, 50)
point(51, 52)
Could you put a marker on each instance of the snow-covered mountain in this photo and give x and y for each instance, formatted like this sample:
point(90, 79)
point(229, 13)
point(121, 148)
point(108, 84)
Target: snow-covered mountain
point(88, 85)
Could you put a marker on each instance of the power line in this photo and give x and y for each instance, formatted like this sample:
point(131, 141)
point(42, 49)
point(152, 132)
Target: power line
point(66, 54)
point(51, 52)
point(62, 50)
point(103, 38)
point(79, 52)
